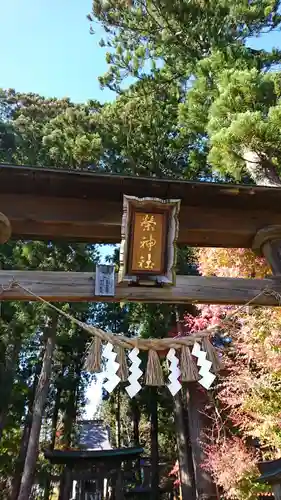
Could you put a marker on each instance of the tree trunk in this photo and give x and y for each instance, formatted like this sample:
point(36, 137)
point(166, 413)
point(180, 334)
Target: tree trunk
point(53, 438)
point(136, 434)
point(154, 443)
point(261, 170)
point(25, 436)
point(118, 418)
point(8, 382)
point(184, 451)
point(38, 409)
point(55, 418)
point(68, 421)
point(198, 422)
point(135, 422)
point(21, 457)
point(71, 406)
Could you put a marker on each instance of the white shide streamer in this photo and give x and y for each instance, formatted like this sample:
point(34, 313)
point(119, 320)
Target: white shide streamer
point(174, 386)
point(111, 368)
point(205, 366)
point(136, 373)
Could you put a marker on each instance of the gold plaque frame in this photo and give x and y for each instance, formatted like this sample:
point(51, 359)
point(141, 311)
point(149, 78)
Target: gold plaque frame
point(150, 206)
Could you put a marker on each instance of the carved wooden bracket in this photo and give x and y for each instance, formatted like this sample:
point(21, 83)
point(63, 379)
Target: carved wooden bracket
point(267, 243)
point(5, 228)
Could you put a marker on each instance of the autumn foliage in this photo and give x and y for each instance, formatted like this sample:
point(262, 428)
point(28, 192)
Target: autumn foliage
point(247, 397)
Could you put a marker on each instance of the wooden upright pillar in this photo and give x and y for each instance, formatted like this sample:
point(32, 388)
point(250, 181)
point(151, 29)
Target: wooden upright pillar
point(5, 228)
point(119, 486)
point(66, 484)
point(267, 243)
point(276, 488)
point(188, 490)
point(198, 423)
point(153, 406)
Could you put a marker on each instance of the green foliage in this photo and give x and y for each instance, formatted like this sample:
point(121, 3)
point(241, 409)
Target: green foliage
point(22, 346)
point(222, 106)
point(245, 116)
point(201, 103)
point(71, 139)
point(23, 324)
point(179, 33)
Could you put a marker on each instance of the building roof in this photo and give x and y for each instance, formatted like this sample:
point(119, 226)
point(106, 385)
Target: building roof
point(94, 439)
point(93, 435)
point(270, 471)
point(94, 457)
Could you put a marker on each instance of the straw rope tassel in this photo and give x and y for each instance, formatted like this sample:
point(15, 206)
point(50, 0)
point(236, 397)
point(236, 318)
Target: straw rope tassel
point(154, 374)
point(189, 372)
point(123, 371)
point(93, 357)
point(212, 355)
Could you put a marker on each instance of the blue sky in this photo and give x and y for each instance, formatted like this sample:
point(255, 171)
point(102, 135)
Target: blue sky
point(47, 49)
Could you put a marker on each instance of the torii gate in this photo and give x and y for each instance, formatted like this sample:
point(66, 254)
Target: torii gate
point(53, 204)
point(78, 206)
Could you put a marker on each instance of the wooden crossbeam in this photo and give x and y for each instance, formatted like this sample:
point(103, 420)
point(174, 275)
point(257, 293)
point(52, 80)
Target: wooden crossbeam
point(79, 206)
point(77, 287)
point(99, 221)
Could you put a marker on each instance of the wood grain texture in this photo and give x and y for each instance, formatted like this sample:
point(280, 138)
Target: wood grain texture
point(97, 221)
point(276, 488)
point(77, 286)
point(5, 228)
point(82, 206)
point(267, 242)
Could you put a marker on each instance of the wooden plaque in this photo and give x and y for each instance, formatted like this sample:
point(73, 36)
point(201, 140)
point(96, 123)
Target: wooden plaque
point(149, 232)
